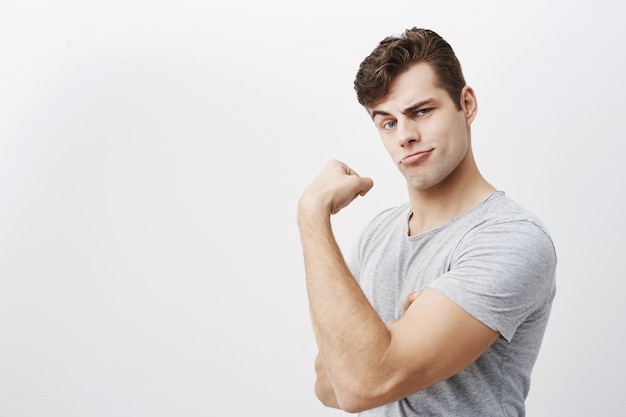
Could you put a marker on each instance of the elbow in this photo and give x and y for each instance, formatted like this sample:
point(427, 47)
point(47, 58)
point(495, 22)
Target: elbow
point(356, 396)
point(349, 391)
point(348, 396)
point(352, 407)
point(353, 403)
point(368, 391)
point(351, 398)
point(326, 395)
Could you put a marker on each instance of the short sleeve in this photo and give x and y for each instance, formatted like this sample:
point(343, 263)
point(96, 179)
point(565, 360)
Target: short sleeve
point(501, 274)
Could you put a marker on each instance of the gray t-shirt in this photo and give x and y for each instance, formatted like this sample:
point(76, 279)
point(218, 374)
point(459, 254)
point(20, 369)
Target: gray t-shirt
point(497, 262)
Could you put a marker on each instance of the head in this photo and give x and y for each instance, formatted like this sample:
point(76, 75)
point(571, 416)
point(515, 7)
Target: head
point(396, 54)
point(413, 89)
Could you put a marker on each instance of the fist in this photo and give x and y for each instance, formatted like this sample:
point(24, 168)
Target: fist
point(334, 188)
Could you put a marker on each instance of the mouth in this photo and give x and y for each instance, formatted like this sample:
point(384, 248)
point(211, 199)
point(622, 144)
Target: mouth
point(415, 157)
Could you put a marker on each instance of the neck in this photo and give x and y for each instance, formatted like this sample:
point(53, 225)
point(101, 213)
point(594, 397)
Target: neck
point(463, 190)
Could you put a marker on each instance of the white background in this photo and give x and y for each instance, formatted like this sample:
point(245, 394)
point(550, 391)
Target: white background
point(151, 158)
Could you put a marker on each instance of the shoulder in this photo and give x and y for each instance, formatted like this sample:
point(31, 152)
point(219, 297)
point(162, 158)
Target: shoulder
point(503, 268)
point(500, 207)
point(502, 217)
point(510, 242)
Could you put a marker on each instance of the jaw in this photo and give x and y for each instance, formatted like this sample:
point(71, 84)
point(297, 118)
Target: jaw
point(440, 180)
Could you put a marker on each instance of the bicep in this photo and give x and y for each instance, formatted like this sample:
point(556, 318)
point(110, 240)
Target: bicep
point(434, 340)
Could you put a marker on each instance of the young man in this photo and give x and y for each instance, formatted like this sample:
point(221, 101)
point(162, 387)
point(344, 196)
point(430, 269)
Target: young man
point(442, 306)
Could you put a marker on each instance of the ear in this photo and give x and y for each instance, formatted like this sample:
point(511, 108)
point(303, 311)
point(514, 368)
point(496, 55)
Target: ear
point(469, 104)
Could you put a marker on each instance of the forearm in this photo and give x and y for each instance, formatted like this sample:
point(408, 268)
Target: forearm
point(351, 337)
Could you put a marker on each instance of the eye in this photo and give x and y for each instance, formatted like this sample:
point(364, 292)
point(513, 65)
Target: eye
point(422, 112)
point(390, 124)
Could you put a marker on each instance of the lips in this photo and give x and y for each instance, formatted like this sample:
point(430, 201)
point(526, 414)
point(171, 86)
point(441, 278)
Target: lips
point(415, 157)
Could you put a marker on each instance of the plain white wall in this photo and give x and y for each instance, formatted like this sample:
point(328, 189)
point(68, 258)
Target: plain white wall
point(152, 154)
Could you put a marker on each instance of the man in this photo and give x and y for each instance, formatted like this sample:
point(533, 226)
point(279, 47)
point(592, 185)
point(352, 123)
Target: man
point(442, 307)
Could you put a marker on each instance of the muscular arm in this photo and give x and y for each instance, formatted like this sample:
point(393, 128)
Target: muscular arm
point(367, 363)
point(323, 388)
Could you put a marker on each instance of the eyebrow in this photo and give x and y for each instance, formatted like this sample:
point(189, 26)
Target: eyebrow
point(412, 108)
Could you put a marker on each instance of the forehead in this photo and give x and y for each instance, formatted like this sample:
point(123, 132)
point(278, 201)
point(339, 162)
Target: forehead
point(417, 83)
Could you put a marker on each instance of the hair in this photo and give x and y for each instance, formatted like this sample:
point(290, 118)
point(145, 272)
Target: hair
point(396, 54)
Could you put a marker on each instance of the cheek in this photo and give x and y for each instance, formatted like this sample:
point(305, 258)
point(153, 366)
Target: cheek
point(453, 151)
point(456, 139)
point(458, 147)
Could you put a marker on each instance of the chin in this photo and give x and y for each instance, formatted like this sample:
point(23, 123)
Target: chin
point(419, 184)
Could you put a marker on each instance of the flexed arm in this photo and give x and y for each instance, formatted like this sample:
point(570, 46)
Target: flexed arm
point(335, 188)
point(368, 363)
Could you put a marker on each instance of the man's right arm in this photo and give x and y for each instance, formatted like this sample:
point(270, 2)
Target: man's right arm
point(323, 388)
point(369, 364)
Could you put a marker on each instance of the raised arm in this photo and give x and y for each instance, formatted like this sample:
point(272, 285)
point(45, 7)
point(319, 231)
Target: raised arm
point(367, 363)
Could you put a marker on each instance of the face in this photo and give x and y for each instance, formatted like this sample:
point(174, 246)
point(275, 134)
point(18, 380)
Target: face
point(427, 137)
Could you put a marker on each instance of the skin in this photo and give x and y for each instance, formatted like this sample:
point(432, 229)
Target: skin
point(362, 362)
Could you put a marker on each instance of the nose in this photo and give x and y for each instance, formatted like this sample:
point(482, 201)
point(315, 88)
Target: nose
point(408, 132)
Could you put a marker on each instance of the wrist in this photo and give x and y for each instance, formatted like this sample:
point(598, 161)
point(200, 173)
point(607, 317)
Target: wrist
point(312, 211)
